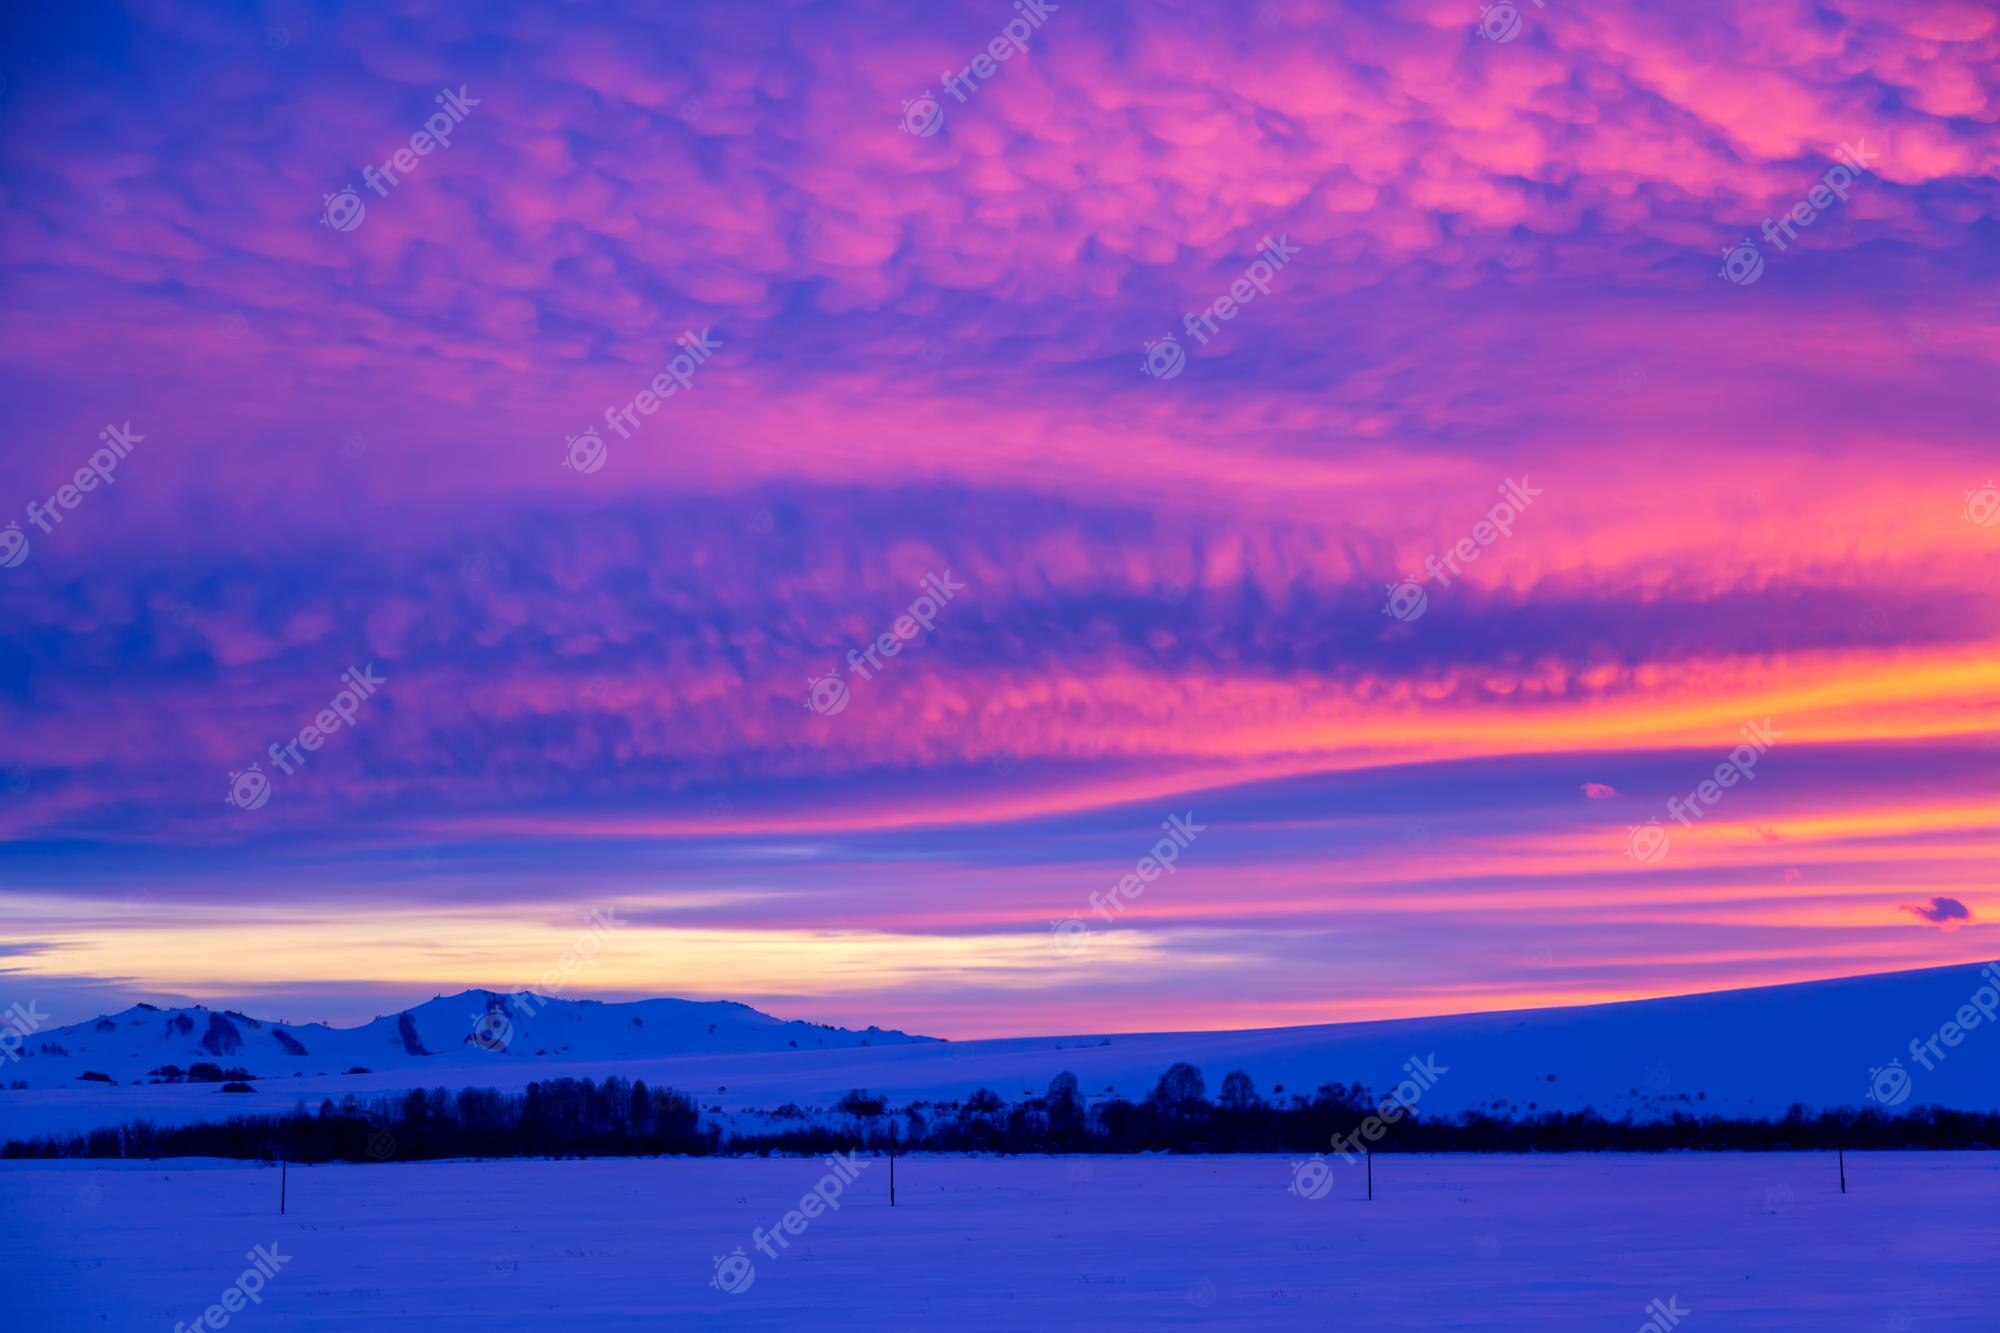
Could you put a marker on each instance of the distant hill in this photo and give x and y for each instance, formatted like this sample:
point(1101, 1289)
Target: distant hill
point(1749, 1053)
point(456, 1039)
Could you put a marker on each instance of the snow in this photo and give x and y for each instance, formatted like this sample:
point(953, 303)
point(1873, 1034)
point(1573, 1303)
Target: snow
point(464, 1034)
point(1748, 1052)
point(1738, 1241)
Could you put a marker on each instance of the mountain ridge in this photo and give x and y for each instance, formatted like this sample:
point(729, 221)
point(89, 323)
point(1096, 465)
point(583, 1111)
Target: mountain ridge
point(471, 1030)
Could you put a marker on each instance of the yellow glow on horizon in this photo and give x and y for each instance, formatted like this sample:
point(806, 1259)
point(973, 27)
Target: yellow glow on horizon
point(218, 954)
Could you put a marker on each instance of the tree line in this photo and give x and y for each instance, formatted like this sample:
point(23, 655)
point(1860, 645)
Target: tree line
point(616, 1117)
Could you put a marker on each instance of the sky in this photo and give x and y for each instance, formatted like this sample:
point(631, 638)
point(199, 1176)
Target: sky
point(1414, 447)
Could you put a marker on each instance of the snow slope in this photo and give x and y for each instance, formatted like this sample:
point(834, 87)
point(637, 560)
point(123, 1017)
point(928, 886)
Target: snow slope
point(457, 1038)
point(1736, 1241)
point(1748, 1052)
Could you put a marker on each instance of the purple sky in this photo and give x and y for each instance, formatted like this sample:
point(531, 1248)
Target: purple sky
point(1424, 567)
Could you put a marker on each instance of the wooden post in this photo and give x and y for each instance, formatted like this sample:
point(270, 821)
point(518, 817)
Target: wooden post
point(1843, 1169)
point(283, 1181)
point(1371, 1173)
point(892, 1177)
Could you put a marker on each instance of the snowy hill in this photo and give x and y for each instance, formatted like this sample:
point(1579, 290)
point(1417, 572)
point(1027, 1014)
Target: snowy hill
point(452, 1039)
point(1748, 1053)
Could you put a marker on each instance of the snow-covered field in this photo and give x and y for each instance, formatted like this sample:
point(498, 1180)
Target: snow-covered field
point(1737, 1241)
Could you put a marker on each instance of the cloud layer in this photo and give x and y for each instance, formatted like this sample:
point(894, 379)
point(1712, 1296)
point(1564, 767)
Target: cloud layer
point(1192, 588)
